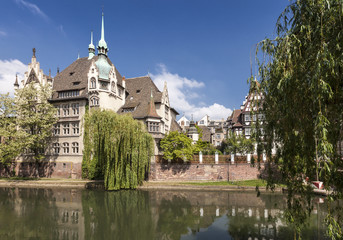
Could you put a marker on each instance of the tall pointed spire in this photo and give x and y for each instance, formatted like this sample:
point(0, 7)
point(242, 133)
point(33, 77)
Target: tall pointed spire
point(91, 48)
point(104, 67)
point(102, 45)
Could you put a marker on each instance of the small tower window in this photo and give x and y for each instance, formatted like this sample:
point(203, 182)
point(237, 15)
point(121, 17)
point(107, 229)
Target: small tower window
point(93, 83)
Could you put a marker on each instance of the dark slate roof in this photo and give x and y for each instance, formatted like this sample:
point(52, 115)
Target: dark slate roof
point(76, 72)
point(175, 126)
point(139, 95)
point(206, 134)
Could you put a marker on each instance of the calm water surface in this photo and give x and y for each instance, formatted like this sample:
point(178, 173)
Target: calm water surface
point(89, 214)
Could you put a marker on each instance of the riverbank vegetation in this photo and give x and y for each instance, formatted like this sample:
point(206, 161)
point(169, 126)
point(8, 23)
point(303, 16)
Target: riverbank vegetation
point(117, 148)
point(300, 76)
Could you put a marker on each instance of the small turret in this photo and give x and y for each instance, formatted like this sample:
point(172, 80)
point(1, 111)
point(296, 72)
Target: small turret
point(91, 48)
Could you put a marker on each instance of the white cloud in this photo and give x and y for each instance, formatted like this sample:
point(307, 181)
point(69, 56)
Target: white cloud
point(32, 8)
point(61, 30)
point(182, 90)
point(8, 70)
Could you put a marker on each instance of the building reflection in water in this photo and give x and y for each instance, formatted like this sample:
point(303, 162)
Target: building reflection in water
point(90, 214)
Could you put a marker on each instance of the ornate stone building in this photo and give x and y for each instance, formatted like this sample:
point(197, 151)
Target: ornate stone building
point(94, 82)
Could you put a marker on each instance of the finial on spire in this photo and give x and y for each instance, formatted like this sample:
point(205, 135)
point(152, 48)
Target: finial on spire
point(34, 52)
point(102, 27)
point(58, 70)
point(78, 55)
point(49, 72)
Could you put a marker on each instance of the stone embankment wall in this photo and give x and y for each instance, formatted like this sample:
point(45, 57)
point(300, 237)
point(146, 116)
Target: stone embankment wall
point(42, 169)
point(208, 169)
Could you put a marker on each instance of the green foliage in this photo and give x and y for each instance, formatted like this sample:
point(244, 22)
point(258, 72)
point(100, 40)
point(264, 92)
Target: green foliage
point(177, 146)
point(26, 122)
point(9, 147)
point(35, 117)
point(301, 79)
point(239, 144)
point(116, 148)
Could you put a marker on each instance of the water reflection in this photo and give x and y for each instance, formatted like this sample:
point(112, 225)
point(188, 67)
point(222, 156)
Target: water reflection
point(85, 214)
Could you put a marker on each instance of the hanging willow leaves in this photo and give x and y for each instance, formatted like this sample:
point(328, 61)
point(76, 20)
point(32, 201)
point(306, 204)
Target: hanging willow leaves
point(116, 148)
point(301, 76)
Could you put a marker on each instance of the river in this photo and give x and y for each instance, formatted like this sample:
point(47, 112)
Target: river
point(29, 213)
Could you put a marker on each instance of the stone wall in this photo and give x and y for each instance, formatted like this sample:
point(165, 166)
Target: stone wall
point(42, 169)
point(209, 172)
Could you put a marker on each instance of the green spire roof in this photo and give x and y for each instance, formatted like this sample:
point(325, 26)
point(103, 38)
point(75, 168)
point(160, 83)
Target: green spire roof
point(102, 43)
point(91, 45)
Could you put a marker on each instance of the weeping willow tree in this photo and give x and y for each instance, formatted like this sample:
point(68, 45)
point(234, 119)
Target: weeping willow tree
point(301, 77)
point(116, 148)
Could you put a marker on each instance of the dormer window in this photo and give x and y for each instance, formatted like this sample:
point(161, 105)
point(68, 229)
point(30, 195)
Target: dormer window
point(76, 83)
point(138, 91)
point(71, 73)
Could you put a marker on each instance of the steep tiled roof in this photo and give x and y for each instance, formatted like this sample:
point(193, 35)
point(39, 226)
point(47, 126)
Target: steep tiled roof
point(74, 77)
point(139, 95)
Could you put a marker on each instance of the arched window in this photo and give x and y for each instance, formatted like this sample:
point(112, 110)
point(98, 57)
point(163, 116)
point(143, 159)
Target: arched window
point(93, 83)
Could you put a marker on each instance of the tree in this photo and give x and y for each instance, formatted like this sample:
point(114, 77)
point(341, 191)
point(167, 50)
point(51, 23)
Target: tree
point(26, 122)
point(9, 146)
point(301, 79)
point(177, 146)
point(239, 144)
point(117, 148)
point(35, 118)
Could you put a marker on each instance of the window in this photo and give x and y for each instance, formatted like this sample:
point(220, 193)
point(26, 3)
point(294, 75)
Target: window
point(56, 147)
point(104, 85)
point(247, 131)
point(125, 110)
point(75, 147)
point(154, 126)
point(75, 107)
point(247, 118)
point(65, 147)
point(58, 111)
point(218, 136)
point(113, 87)
point(56, 130)
point(166, 112)
point(120, 91)
point(95, 101)
point(254, 117)
point(76, 128)
point(93, 82)
point(65, 109)
point(66, 129)
point(67, 94)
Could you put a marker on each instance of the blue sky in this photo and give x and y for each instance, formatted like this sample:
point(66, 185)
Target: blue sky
point(201, 48)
